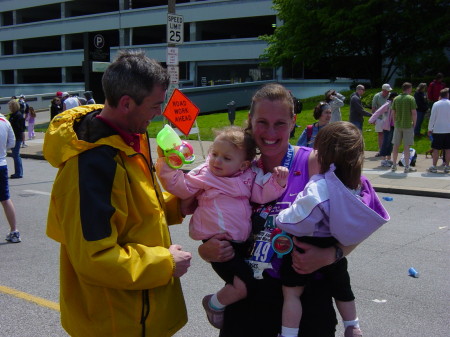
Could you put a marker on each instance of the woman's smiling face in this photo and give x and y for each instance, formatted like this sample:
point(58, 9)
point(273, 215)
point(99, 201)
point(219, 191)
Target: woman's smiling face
point(272, 123)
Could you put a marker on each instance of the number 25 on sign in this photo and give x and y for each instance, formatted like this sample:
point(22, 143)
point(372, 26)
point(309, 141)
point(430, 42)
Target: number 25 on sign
point(175, 29)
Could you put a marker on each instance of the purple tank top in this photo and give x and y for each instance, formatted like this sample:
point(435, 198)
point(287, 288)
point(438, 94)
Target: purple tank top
point(297, 180)
point(298, 176)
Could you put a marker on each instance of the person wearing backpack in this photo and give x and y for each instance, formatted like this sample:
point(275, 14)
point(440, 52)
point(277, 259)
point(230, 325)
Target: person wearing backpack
point(322, 113)
point(18, 125)
point(24, 110)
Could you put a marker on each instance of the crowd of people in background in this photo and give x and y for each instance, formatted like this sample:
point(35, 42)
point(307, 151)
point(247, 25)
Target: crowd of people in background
point(14, 131)
point(393, 126)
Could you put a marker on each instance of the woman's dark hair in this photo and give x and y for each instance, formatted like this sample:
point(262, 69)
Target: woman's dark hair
point(342, 144)
point(319, 108)
point(328, 95)
point(392, 95)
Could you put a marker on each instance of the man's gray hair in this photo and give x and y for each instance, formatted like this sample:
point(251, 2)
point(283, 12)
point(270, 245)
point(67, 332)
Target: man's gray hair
point(133, 74)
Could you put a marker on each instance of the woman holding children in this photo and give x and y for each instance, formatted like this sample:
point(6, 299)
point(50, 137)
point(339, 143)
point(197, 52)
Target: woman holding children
point(271, 119)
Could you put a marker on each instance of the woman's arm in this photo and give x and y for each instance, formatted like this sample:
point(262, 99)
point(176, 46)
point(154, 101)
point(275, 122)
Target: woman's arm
point(315, 257)
point(340, 96)
point(217, 249)
point(336, 102)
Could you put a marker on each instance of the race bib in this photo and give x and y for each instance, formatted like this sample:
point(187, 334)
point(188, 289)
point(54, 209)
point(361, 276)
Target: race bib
point(262, 253)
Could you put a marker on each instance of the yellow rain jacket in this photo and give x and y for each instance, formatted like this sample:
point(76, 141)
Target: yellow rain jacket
point(111, 218)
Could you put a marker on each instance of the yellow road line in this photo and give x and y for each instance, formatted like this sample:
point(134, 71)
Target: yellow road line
point(38, 300)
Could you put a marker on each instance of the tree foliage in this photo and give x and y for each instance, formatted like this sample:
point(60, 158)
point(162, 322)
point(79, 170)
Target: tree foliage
point(374, 37)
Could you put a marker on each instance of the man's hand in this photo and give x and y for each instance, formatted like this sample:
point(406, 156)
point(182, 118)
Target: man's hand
point(281, 173)
point(182, 260)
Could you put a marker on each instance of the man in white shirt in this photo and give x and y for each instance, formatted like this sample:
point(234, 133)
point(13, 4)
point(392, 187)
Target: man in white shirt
point(439, 129)
point(70, 101)
point(7, 141)
point(378, 100)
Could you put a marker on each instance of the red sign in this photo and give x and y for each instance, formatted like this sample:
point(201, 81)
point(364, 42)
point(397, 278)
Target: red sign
point(181, 112)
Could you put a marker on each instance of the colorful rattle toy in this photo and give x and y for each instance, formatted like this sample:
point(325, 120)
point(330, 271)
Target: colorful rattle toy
point(176, 151)
point(281, 242)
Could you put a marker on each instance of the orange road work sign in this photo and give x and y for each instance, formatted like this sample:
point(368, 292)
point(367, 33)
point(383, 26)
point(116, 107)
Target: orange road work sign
point(181, 112)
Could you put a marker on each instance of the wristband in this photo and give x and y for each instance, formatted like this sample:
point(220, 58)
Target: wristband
point(339, 254)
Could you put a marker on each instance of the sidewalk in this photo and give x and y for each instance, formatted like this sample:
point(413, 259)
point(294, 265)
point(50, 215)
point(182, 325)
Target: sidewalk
point(420, 183)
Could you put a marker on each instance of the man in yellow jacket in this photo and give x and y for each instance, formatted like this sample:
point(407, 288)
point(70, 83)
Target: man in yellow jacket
point(119, 271)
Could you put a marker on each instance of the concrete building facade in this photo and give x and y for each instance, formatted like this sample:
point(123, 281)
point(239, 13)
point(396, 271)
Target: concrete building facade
point(41, 41)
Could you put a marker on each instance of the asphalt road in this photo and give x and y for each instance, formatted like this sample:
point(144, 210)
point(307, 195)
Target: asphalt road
point(389, 302)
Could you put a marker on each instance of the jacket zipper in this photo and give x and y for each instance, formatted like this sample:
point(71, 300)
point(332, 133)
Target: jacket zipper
point(145, 309)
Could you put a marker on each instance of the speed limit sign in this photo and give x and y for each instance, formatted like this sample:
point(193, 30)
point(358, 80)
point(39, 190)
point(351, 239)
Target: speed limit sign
point(175, 29)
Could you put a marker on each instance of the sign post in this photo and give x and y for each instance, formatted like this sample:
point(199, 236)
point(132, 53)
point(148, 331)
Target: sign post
point(96, 60)
point(175, 36)
point(179, 110)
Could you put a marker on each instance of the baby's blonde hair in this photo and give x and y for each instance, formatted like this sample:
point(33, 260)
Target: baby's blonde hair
point(239, 138)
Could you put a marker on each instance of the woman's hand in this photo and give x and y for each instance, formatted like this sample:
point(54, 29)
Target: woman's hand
point(313, 257)
point(217, 249)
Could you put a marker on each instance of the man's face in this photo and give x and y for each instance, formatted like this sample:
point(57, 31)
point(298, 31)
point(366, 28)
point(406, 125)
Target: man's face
point(140, 116)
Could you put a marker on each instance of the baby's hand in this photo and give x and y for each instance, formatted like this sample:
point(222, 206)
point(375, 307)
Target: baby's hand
point(160, 152)
point(280, 173)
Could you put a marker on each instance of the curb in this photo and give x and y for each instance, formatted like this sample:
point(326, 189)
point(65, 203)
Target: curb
point(28, 156)
point(378, 188)
point(412, 191)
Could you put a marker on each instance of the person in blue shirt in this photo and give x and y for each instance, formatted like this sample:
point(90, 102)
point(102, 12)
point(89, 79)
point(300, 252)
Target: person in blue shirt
point(322, 113)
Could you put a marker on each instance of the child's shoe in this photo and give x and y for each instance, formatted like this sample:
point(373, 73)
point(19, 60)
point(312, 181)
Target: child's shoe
point(215, 317)
point(394, 167)
point(432, 169)
point(353, 331)
point(446, 169)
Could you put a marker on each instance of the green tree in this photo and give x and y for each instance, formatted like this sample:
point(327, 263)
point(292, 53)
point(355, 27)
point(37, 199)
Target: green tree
point(376, 38)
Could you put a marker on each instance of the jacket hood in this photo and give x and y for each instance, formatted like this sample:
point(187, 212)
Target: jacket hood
point(77, 130)
point(353, 220)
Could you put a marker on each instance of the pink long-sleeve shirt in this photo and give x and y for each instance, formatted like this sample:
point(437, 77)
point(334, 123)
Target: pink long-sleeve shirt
point(386, 111)
point(223, 202)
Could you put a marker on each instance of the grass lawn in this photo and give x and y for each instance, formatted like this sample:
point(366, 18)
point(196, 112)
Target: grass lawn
point(207, 123)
